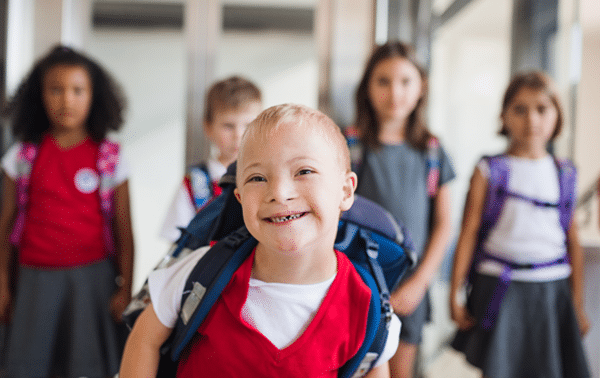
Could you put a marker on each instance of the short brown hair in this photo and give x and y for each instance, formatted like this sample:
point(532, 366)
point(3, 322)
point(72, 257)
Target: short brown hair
point(301, 116)
point(535, 80)
point(231, 93)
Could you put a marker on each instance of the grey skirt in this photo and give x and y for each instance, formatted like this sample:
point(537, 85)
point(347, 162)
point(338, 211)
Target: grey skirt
point(535, 334)
point(61, 325)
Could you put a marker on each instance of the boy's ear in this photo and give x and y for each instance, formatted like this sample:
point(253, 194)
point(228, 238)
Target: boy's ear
point(208, 130)
point(350, 182)
point(236, 193)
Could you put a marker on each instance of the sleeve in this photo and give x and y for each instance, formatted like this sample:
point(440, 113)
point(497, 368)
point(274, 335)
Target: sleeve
point(166, 287)
point(9, 160)
point(122, 169)
point(484, 168)
point(180, 213)
point(447, 173)
point(392, 341)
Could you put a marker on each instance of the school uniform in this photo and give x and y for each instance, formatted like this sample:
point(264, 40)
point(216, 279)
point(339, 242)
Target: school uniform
point(61, 323)
point(535, 333)
point(263, 329)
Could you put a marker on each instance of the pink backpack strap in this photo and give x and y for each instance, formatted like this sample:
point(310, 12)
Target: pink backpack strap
point(433, 166)
point(108, 157)
point(25, 158)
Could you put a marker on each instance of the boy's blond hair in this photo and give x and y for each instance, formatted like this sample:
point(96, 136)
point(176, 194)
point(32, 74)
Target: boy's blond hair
point(230, 94)
point(271, 119)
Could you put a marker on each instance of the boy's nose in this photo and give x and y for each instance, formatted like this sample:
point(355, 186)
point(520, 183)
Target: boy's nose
point(239, 131)
point(281, 190)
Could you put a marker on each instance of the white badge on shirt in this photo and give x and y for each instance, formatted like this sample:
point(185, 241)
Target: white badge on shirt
point(86, 180)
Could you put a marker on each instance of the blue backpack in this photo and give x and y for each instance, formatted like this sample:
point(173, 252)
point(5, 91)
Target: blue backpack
point(496, 194)
point(375, 243)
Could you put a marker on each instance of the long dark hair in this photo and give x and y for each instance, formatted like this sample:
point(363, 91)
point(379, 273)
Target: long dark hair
point(29, 119)
point(368, 127)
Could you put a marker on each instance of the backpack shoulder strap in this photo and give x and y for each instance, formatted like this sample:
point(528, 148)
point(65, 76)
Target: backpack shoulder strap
point(108, 158)
point(357, 150)
point(497, 186)
point(381, 252)
point(379, 316)
point(206, 283)
point(200, 185)
point(433, 166)
point(567, 178)
point(24, 163)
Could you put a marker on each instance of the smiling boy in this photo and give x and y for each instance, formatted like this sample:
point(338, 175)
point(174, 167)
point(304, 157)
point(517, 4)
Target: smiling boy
point(296, 307)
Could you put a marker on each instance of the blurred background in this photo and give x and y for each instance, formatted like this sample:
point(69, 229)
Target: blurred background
point(166, 52)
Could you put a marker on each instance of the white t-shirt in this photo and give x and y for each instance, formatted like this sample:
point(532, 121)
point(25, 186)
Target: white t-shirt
point(281, 312)
point(9, 164)
point(526, 233)
point(182, 208)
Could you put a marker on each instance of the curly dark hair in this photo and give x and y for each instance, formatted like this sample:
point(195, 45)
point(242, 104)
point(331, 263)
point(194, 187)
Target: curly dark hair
point(26, 109)
point(417, 133)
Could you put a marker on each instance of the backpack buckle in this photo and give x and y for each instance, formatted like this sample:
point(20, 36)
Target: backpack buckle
point(371, 247)
point(192, 302)
point(365, 365)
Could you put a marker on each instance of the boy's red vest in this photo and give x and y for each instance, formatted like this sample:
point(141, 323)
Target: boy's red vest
point(227, 346)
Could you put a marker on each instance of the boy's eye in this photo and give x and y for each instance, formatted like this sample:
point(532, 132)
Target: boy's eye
point(256, 179)
point(305, 171)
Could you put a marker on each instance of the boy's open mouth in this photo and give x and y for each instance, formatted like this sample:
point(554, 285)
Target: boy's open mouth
point(286, 218)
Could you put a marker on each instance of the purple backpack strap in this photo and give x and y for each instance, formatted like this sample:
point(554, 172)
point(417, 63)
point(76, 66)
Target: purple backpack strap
point(567, 176)
point(25, 158)
point(494, 202)
point(108, 157)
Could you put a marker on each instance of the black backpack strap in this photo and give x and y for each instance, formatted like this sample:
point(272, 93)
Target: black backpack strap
point(206, 283)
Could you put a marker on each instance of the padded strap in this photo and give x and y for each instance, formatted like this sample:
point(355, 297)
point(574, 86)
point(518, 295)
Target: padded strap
point(207, 281)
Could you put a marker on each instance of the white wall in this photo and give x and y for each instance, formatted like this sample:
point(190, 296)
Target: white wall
point(469, 73)
point(587, 126)
point(150, 65)
point(470, 68)
point(283, 65)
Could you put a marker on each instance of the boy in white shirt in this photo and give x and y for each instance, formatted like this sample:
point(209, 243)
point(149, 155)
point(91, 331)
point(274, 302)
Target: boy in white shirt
point(231, 104)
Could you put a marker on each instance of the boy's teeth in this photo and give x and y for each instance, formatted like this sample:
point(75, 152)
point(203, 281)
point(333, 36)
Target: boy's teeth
point(283, 219)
